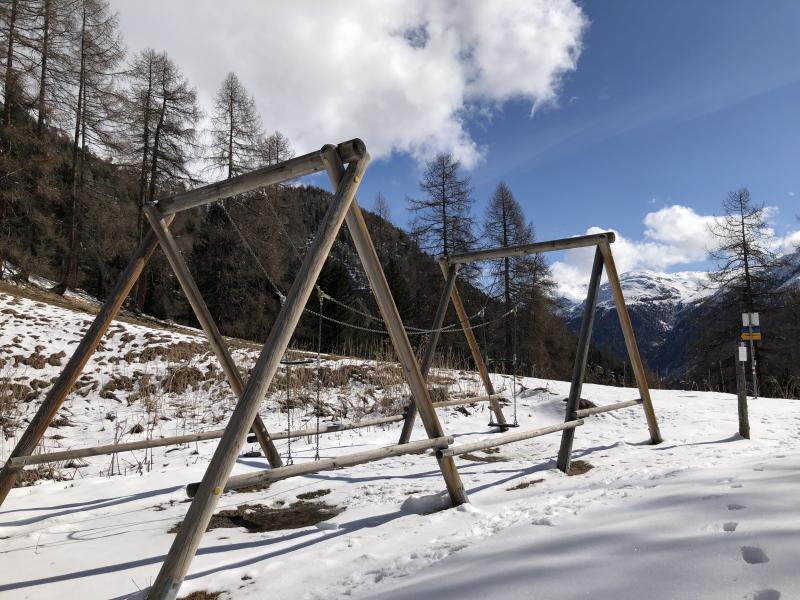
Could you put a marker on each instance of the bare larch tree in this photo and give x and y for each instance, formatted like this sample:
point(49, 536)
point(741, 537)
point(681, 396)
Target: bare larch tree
point(442, 224)
point(236, 130)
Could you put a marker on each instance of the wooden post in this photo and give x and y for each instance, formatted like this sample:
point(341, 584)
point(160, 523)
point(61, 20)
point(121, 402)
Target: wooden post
point(475, 349)
point(741, 390)
point(215, 339)
point(73, 369)
point(630, 342)
point(188, 539)
point(397, 333)
point(430, 349)
point(581, 357)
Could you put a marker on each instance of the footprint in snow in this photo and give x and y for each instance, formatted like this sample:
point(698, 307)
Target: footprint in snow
point(730, 526)
point(768, 594)
point(736, 506)
point(753, 555)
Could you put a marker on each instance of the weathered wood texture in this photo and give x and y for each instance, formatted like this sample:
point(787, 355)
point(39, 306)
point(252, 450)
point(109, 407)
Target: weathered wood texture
point(215, 339)
point(397, 333)
point(430, 349)
point(580, 241)
point(269, 175)
point(741, 392)
point(328, 464)
point(508, 438)
point(597, 410)
point(475, 350)
point(74, 367)
point(185, 545)
point(581, 358)
point(630, 342)
point(54, 457)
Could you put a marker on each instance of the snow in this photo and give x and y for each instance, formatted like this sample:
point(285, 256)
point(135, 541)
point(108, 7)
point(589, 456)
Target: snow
point(705, 514)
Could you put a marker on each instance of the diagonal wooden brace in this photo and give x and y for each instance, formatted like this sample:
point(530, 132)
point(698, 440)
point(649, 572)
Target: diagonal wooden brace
point(475, 349)
point(197, 518)
point(215, 339)
point(397, 333)
point(430, 349)
point(630, 342)
point(581, 358)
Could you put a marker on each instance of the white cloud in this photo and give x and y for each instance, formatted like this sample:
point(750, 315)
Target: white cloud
point(401, 74)
point(674, 235)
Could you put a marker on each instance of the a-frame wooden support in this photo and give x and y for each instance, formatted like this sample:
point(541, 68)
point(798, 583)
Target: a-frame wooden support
point(603, 259)
point(343, 208)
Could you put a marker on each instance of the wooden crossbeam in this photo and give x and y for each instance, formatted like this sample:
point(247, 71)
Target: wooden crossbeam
point(588, 412)
point(508, 438)
point(580, 241)
point(328, 464)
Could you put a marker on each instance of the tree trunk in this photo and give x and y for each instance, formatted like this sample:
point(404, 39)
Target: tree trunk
point(141, 290)
point(69, 277)
point(10, 85)
point(43, 77)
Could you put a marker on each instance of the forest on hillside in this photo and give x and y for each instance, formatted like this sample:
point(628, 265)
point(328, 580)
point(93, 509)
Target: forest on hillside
point(91, 133)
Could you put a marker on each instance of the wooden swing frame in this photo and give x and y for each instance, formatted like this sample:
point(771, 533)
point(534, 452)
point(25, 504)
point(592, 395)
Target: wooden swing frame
point(574, 414)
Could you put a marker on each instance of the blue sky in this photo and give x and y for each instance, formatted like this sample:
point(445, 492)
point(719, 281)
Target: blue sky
point(671, 103)
point(648, 112)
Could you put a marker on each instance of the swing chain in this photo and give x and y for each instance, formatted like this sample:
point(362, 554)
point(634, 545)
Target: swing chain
point(321, 295)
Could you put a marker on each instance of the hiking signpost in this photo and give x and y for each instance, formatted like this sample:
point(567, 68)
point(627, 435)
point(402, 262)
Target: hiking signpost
point(751, 332)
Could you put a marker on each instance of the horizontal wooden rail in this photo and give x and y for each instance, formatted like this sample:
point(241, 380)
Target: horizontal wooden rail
point(580, 241)
point(329, 464)
point(508, 438)
point(588, 412)
point(462, 401)
point(51, 457)
point(332, 428)
point(293, 168)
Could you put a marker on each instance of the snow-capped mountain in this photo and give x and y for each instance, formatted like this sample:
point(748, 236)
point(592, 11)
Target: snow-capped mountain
point(666, 309)
point(655, 301)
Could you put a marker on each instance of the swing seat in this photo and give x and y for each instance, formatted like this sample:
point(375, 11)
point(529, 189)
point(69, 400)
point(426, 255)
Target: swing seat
point(503, 425)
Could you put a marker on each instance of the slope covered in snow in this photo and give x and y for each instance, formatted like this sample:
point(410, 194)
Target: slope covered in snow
point(703, 515)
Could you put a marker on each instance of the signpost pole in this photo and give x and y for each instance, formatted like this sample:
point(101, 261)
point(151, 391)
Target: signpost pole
point(741, 389)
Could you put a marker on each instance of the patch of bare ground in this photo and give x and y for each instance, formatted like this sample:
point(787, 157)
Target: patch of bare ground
point(202, 595)
point(312, 495)
point(490, 458)
point(28, 477)
point(579, 467)
point(524, 484)
point(256, 518)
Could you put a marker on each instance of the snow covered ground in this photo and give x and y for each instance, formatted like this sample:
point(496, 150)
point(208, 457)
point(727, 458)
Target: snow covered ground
point(703, 515)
